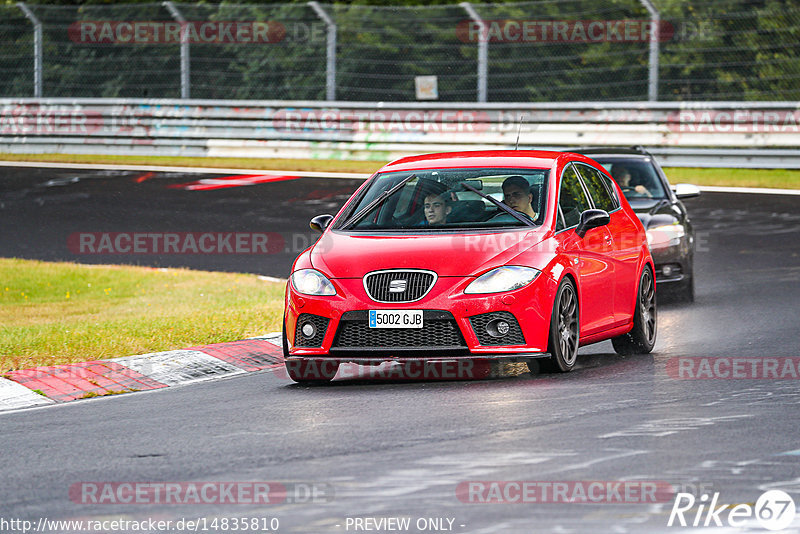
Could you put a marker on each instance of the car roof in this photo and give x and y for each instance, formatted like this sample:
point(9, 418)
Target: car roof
point(534, 159)
point(612, 151)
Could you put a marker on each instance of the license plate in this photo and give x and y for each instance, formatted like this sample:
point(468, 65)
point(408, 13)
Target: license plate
point(395, 318)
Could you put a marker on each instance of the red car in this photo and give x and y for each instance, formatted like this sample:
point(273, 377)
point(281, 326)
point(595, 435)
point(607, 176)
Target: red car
point(471, 256)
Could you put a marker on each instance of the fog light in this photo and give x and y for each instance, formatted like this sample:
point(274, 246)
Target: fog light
point(670, 270)
point(497, 328)
point(309, 330)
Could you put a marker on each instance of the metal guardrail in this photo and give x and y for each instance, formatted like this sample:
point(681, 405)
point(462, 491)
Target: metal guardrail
point(701, 134)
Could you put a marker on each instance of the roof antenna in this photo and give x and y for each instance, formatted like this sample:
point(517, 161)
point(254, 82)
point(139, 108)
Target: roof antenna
point(519, 128)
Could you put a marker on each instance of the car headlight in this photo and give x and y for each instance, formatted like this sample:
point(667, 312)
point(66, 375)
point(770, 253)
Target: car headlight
point(667, 235)
point(312, 282)
point(502, 279)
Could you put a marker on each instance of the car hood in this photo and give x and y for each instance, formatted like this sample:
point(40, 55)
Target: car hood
point(655, 212)
point(340, 255)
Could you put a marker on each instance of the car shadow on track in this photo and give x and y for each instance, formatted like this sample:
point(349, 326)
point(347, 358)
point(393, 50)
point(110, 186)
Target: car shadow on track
point(589, 366)
point(672, 297)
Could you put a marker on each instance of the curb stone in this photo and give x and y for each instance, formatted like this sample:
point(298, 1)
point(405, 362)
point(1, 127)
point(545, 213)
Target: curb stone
point(57, 384)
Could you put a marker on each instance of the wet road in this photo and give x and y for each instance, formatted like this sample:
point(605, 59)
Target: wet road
point(383, 449)
point(43, 213)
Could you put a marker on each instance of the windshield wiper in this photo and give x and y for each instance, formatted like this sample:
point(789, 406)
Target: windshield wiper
point(355, 219)
point(661, 202)
point(514, 213)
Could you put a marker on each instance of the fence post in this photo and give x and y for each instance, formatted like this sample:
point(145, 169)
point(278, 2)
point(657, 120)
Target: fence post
point(185, 79)
point(37, 49)
point(483, 49)
point(655, 23)
point(330, 69)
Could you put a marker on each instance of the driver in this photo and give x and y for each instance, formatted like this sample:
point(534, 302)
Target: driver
point(623, 176)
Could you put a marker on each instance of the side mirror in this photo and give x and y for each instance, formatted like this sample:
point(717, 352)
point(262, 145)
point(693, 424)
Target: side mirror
point(592, 219)
point(320, 222)
point(683, 191)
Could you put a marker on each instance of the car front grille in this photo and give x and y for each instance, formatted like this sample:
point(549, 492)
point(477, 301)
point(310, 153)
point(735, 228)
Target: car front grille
point(439, 332)
point(512, 337)
point(408, 285)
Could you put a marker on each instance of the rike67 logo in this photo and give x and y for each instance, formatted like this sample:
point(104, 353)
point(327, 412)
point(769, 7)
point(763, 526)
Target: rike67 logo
point(774, 510)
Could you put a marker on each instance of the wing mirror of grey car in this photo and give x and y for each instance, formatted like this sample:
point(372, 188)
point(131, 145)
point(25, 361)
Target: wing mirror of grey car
point(683, 191)
point(592, 219)
point(320, 222)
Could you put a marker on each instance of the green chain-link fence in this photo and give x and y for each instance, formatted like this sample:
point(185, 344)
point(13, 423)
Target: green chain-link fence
point(541, 51)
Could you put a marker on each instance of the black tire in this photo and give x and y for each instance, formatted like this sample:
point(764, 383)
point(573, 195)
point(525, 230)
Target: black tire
point(564, 332)
point(642, 337)
point(307, 372)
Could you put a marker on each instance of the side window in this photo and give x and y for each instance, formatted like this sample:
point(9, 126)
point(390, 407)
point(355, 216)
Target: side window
point(611, 189)
point(597, 188)
point(571, 197)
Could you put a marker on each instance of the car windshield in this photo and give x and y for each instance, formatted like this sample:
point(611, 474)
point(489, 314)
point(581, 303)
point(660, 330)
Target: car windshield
point(450, 199)
point(637, 177)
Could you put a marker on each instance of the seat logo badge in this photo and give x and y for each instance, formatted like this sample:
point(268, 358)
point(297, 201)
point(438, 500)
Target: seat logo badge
point(397, 286)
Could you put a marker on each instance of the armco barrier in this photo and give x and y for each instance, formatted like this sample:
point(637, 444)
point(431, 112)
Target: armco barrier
point(703, 134)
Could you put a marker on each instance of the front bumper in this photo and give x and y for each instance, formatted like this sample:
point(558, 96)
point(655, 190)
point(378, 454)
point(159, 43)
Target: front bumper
point(673, 263)
point(427, 368)
point(454, 324)
point(372, 360)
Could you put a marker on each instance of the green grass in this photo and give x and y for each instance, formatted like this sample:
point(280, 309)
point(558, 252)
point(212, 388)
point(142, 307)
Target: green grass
point(55, 313)
point(274, 164)
point(770, 178)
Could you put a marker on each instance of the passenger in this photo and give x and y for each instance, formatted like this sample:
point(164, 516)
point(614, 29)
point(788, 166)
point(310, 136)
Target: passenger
point(624, 177)
point(517, 195)
point(436, 209)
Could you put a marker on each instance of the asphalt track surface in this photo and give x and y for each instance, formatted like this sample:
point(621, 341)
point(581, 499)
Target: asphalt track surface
point(379, 448)
point(41, 208)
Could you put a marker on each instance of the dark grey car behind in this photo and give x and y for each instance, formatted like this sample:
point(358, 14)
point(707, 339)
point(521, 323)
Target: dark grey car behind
point(669, 228)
